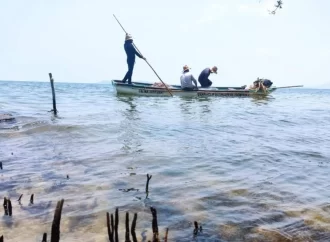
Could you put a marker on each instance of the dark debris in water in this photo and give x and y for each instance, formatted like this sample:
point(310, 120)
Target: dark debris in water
point(128, 189)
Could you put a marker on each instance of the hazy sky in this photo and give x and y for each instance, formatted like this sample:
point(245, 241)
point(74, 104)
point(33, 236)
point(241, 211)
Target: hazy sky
point(80, 41)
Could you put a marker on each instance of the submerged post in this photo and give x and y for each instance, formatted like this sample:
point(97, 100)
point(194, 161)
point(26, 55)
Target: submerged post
point(154, 224)
point(112, 228)
point(10, 208)
point(116, 225)
point(53, 93)
point(196, 227)
point(19, 199)
point(166, 235)
point(127, 237)
point(110, 232)
point(55, 235)
point(133, 228)
point(147, 185)
point(5, 205)
point(44, 237)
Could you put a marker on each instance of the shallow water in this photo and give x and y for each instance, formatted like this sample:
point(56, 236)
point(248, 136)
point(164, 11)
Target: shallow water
point(246, 169)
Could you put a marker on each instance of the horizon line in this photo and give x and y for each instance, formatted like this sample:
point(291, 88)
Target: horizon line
point(108, 81)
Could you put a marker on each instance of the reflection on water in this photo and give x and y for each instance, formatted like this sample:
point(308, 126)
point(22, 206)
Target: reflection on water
point(262, 100)
point(129, 101)
point(130, 136)
point(247, 169)
point(187, 107)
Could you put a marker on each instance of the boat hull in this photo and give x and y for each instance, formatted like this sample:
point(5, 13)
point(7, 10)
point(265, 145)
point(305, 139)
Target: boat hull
point(146, 89)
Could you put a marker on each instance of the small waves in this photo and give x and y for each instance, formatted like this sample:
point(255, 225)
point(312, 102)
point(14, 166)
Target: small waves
point(246, 169)
point(30, 126)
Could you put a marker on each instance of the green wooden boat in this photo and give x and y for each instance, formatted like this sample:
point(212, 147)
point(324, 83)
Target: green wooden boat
point(147, 89)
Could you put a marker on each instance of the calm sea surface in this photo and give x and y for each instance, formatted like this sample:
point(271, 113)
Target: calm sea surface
point(245, 169)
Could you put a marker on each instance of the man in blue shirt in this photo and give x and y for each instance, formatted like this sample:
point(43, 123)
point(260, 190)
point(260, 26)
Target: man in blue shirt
point(203, 78)
point(130, 52)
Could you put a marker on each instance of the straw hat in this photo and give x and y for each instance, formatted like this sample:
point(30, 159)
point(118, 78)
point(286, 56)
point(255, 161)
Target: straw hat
point(214, 69)
point(128, 37)
point(185, 68)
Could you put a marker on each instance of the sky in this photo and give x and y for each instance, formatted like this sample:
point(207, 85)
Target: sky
point(80, 41)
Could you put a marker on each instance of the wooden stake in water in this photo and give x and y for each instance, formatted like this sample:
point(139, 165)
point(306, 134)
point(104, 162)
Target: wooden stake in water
point(53, 93)
point(19, 199)
point(31, 199)
point(44, 237)
point(55, 236)
point(196, 228)
point(110, 232)
point(147, 185)
point(10, 208)
point(166, 235)
point(133, 228)
point(127, 237)
point(112, 227)
point(116, 225)
point(5, 206)
point(154, 224)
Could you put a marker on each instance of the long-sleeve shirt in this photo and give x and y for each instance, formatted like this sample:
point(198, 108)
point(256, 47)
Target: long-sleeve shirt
point(131, 51)
point(204, 77)
point(187, 80)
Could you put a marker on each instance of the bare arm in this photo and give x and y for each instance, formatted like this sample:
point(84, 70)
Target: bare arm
point(194, 80)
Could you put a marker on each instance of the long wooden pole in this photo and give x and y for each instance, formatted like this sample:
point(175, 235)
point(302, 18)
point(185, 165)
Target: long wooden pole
point(145, 59)
point(289, 86)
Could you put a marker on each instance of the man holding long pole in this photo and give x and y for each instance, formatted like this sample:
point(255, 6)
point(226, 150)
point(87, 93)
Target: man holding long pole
point(130, 52)
point(131, 66)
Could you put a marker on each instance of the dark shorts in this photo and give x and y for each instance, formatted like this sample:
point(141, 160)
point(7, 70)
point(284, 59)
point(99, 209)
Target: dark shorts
point(189, 89)
point(205, 83)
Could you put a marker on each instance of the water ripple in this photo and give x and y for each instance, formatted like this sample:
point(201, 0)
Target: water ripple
point(247, 169)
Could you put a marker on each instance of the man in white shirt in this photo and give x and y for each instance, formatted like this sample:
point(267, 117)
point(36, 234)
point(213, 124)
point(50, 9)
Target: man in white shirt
point(187, 80)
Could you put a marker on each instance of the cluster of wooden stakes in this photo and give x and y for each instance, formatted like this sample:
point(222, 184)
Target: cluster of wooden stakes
point(111, 220)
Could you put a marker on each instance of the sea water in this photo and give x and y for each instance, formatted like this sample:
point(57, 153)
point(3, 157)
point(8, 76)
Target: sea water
point(246, 169)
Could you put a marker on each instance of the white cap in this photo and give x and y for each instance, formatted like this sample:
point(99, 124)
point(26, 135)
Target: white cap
point(128, 37)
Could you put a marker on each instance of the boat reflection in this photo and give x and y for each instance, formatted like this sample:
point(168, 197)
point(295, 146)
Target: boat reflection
point(131, 104)
point(262, 100)
point(129, 126)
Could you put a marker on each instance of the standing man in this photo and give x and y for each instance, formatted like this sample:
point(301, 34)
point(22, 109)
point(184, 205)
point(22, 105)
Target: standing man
point(187, 80)
point(130, 52)
point(203, 78)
